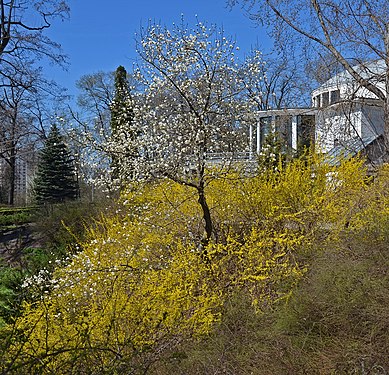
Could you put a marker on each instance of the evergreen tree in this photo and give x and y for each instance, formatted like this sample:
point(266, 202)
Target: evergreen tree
point(121, 112)
point(273, 154)
point(122, 126)
point(55, 180)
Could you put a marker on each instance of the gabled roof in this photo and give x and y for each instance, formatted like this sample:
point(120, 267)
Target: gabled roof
point(370, 70)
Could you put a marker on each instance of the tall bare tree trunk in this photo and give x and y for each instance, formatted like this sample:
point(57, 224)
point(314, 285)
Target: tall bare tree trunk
point(12, 177)
point(386, 103)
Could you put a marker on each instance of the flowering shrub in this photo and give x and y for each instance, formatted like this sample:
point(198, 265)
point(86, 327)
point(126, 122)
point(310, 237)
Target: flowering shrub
point(142, 283)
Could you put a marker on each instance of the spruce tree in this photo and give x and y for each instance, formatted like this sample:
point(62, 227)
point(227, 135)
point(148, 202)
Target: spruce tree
point(122, 126)
point(56, 179)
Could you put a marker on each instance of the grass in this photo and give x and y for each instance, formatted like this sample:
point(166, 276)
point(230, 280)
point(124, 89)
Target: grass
point(11, 217)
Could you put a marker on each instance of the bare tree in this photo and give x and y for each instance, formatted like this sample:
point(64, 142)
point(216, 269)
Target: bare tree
point(24, 116)
point(89, 126)
point(22, 23)
point(15, 128)
point(280, 84)
point(350, 30)
point(96, 95)
point(23, 44)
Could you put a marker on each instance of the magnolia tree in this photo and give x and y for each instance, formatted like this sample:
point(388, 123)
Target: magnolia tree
point(196, 105)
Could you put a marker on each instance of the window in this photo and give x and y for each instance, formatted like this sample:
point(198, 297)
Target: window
point(305, 130)
point(325, 99)
point(335, 96)
point(283, 127)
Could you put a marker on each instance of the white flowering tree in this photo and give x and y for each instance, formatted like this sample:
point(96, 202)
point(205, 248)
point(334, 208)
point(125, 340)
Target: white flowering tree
point(196, 104)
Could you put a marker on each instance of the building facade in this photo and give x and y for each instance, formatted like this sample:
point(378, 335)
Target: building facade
point(25, 166)
point(347, 112)
point(345, 118)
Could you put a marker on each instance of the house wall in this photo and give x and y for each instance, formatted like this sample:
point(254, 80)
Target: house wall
point(347, 111)
point(343, 111)
point(336, 125)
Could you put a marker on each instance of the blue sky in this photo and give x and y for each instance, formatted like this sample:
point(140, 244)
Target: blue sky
point(100, 34)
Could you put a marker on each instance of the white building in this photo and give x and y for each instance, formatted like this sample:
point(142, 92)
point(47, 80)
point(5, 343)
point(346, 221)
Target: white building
point(349, 118)
point(345, 118)
point(295, 126)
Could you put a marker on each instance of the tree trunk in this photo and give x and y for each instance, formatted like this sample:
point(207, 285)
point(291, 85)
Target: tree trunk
point(12, 178)
point(386, 103)
point(386, 118)
point(206, 214)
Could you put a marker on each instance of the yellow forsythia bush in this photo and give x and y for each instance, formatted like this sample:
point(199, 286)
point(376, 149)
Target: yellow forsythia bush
point(143, 282)
point(129, 290)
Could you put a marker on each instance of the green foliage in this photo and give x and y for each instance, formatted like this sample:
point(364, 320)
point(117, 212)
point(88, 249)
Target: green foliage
point(61, 228)
point(56, 178)
point(31, 262)
point(15, 219)
point(121, 114)
point(61, 225)
point(10, 279)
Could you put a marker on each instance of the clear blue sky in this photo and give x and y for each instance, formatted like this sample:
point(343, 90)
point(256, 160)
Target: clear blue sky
point(100, 34)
